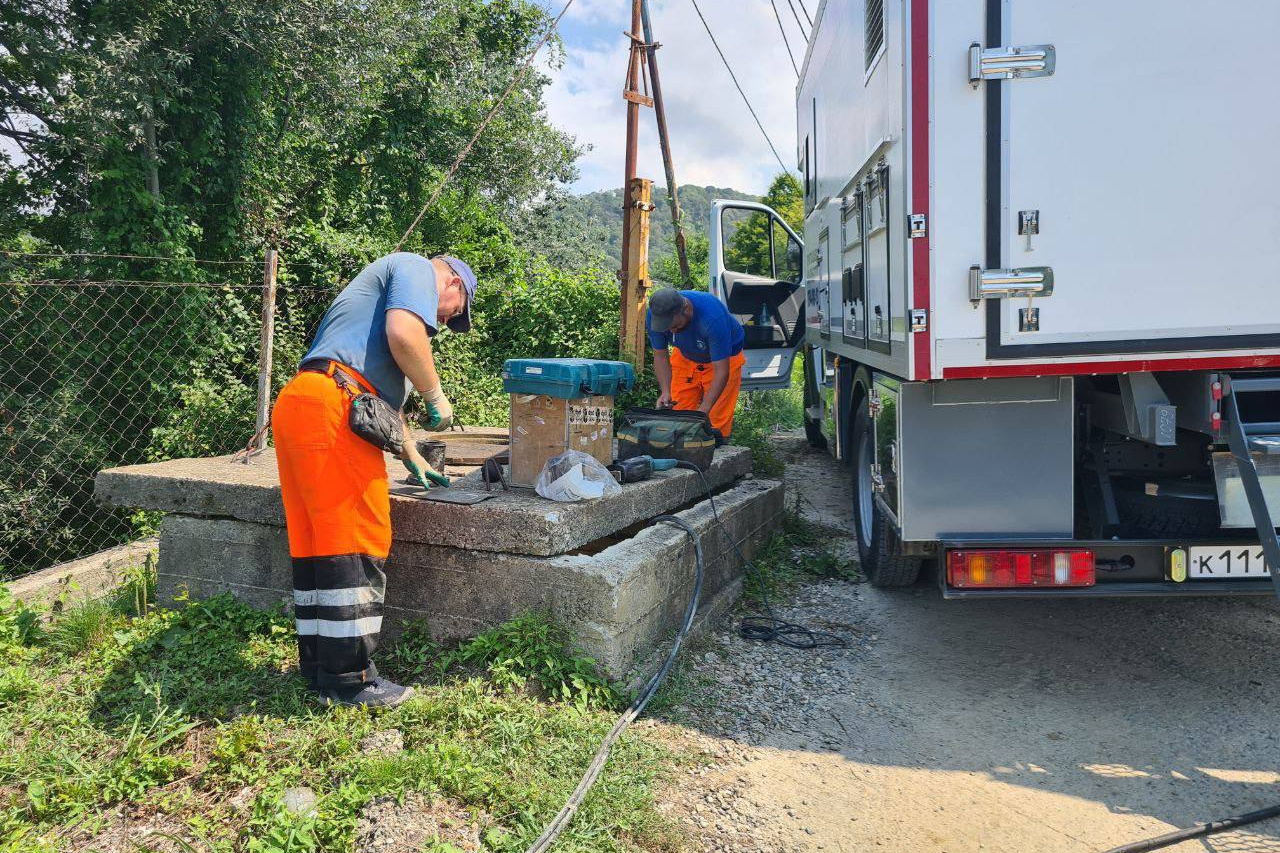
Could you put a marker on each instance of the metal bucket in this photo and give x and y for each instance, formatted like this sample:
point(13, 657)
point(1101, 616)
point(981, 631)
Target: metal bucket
point(433, 451)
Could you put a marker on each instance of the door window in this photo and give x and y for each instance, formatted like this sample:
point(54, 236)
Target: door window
point(747, 237)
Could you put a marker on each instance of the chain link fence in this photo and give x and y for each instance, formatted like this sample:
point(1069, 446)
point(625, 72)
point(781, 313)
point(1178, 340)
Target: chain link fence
point(96, 374)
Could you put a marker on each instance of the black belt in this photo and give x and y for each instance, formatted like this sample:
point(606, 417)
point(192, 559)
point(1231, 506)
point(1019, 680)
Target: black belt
point(340, 375)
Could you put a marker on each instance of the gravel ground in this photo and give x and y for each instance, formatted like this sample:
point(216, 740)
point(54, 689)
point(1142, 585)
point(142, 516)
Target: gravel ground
point(1000, 726)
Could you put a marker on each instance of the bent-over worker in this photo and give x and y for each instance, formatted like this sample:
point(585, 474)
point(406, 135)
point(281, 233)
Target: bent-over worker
point(704, 371)
point(375, 338)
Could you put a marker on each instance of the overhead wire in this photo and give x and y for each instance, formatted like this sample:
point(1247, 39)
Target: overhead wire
point(806, 12)
point(785, 40)
point(497, 105)
point(745, 99)
point(796, 15)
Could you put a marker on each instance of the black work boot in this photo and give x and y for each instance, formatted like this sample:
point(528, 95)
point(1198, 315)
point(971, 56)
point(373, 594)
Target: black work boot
point(378, 693)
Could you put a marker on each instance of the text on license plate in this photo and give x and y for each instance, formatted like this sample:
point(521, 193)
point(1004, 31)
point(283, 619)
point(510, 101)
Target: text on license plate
point(1221, 561)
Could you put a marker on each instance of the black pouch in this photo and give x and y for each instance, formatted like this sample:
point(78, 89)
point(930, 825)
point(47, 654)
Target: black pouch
point(668, 434)
point(372, 418)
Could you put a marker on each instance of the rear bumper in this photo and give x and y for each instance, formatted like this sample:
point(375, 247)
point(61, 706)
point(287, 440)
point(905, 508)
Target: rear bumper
point(1135, 568)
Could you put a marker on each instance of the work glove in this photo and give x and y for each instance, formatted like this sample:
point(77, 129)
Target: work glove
point(439, 410)
point(421, 470)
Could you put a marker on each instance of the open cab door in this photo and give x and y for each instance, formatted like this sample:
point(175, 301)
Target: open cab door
point(755, 271)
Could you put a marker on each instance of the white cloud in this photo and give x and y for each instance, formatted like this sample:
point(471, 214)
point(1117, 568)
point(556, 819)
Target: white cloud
point(714, 139)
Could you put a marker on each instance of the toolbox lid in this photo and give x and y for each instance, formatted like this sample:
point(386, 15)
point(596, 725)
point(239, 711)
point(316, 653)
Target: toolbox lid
point(567, 378)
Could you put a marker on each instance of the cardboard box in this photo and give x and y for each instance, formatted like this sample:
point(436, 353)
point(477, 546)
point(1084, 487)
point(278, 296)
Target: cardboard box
point(543, 427)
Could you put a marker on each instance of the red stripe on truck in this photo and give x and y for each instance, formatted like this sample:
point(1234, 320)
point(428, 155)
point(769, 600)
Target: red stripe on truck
point(1077, 368)
point(921, 341)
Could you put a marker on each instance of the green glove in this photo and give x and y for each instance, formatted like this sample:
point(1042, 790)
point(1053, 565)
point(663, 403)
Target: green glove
point(425, 474)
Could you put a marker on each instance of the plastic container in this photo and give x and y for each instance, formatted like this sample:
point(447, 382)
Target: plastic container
point(567, 378)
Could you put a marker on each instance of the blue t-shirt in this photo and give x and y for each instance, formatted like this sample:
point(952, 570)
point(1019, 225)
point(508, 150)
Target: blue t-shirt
point(713, 333)
point(354, 329)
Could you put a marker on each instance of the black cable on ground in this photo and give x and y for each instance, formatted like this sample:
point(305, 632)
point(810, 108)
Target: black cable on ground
point(561, 820)
point(1200, 830)
point(766, 627)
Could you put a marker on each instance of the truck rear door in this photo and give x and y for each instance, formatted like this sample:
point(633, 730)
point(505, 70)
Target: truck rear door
point(755, 271)
point(1142, 172)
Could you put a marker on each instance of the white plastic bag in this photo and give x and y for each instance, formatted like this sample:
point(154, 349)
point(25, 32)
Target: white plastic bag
point(575, 476)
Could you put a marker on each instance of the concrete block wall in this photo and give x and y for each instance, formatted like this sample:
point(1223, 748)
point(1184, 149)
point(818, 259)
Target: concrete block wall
point(621, 602)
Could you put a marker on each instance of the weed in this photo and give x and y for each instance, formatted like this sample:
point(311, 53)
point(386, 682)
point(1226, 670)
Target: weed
point(82, 627)
point(533, 648)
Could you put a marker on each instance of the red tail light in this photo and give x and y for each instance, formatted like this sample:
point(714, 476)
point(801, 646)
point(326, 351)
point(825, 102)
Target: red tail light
point(988, 568)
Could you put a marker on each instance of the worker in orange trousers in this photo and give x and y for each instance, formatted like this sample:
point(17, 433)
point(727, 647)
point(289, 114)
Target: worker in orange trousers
point(374, 339)
point(704, 372)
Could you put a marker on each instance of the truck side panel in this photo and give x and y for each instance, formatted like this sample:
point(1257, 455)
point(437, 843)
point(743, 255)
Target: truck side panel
point(850, 131)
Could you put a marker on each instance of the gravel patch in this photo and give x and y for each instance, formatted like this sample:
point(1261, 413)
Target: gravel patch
point(387, 825)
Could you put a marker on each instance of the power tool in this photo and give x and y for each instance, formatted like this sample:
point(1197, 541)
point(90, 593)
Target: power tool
point(639, 468)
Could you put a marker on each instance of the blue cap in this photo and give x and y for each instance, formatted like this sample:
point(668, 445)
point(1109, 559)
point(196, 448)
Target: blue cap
point(462, 323)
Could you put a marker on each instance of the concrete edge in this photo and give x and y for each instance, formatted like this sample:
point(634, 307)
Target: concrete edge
point(90, 578)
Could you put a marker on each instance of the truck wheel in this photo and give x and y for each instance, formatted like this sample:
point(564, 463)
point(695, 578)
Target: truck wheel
point(1166, 517)
point(874, 532)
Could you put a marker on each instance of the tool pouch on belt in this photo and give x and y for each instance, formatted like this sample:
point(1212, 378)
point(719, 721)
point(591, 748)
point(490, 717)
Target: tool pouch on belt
point(372, 418)
point(668, 434)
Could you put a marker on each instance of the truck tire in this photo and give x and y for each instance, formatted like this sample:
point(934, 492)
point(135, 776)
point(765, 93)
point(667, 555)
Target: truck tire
point(1166, 517)
point(872, 530)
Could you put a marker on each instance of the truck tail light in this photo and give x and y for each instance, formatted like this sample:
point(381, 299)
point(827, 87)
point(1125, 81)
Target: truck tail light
point(989, 568)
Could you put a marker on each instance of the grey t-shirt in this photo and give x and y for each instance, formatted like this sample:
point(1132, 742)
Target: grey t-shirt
point(354, 329)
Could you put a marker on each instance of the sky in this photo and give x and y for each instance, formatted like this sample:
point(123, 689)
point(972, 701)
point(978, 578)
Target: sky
point(714, 140)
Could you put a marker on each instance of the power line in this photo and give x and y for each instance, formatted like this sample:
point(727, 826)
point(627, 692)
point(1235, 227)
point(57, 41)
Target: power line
point(806, 13)
point(466, 149)
point(796, 15)
point(745, 99)
point(785, 40)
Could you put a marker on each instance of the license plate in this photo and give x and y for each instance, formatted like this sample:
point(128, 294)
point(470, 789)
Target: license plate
point(1218, 562)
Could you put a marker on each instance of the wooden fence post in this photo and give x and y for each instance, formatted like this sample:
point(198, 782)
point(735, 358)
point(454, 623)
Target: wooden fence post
point(265, 342)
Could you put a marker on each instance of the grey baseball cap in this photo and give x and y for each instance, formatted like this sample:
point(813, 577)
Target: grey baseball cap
point(663, 308)
point(462, 323)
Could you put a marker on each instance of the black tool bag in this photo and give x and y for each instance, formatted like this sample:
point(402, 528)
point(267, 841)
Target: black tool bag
point(372, 418)
point(668, 434)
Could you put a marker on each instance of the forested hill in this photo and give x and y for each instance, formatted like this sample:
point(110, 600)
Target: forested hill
point(592, 223)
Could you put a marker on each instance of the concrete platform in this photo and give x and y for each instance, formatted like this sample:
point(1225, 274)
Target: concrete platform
point(515, 522)
point(621, 601)
point(602, 567)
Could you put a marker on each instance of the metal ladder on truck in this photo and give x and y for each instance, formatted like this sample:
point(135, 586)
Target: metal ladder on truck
point(1246, 438)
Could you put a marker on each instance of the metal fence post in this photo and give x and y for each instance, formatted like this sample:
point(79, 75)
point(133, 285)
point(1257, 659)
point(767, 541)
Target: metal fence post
point(265, 342)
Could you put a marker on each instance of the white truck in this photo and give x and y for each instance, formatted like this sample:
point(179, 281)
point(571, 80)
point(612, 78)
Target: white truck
point(1038, 290)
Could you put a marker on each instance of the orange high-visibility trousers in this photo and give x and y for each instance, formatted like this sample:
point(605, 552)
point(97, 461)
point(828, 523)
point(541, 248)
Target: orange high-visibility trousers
point(690, 381)
point(338, 512)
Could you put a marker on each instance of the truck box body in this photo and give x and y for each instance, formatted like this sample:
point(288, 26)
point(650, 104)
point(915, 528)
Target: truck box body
point(1039, 290)
point(1144, 163)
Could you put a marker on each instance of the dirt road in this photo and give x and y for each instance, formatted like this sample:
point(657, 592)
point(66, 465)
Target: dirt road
point(999, 726)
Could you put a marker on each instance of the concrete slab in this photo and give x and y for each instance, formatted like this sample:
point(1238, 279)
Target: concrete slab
point(621, 602)
point(515, 522)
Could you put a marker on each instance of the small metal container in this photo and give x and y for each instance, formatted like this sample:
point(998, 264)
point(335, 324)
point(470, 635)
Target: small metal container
point(432, 451)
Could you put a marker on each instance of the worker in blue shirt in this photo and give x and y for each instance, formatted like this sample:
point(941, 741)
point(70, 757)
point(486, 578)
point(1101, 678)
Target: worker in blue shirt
point(704, 372)
point(374, 339)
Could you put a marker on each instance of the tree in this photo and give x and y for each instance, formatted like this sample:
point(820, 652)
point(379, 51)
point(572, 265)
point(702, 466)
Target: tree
point(749, 247)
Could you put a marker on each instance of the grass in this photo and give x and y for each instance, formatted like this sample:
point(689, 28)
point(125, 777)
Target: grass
point(760, 414)
point(189, 719)
point(800, 552)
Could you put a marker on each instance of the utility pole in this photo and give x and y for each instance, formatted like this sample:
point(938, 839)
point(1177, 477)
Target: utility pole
point(634, 275)
point(673, 195)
